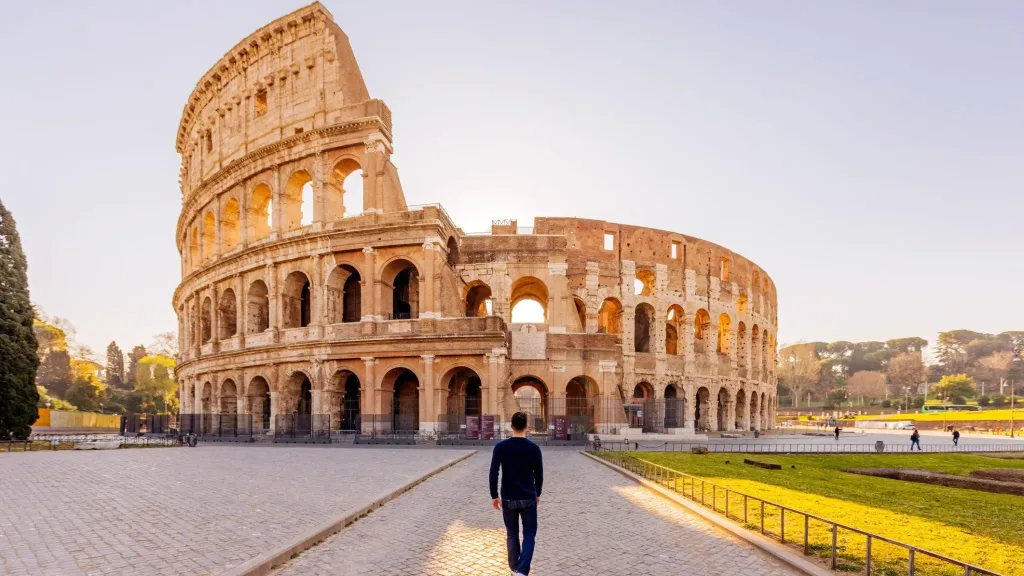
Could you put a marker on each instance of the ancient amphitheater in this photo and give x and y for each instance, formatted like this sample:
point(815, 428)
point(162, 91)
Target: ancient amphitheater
point(312, 292)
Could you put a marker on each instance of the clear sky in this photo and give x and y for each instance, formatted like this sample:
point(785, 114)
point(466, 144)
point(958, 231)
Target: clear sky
point(868, 155)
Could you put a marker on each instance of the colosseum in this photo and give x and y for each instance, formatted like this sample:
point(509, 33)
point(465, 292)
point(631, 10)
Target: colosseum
point(314, 297)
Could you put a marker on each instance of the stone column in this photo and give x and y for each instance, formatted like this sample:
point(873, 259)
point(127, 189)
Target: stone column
point(276, 195)
point(730, 414)
point(273, 300)
point(593, 283)
point(690, 407)
point(560, 303)
point(315, 401)
point(240, 310)
point(197, 325)
point(197, 399)
point(216, 231)
point(316, 307)
point(243, 215)
point(427, 300)
point(214, 318)
point(369, 386)
point(428, 412)
point(489, 402)
point(319, 202)
point(745, 416)
point(368, 291)
point(275, 398)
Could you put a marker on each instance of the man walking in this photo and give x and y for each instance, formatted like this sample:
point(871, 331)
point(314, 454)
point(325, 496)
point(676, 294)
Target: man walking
point(956, 437)
point(522, 476)
point(837, 433)
point(915, 440)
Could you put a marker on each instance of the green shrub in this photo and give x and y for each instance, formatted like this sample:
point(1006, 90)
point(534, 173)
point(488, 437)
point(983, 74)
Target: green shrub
point(984, 401)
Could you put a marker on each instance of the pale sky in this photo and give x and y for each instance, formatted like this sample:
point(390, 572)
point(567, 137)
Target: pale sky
point(868, 155)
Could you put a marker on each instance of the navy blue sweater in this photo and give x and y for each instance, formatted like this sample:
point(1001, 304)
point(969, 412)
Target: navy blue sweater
point(522, 471)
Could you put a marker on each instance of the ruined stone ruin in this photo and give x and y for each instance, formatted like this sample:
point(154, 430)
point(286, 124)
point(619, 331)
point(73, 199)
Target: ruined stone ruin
point(301, 297)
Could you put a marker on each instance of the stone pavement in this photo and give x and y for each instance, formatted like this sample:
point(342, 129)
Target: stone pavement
point(592, 521)
point(178, 511)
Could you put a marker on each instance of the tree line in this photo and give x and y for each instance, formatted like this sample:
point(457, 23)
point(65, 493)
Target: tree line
point(968, 365)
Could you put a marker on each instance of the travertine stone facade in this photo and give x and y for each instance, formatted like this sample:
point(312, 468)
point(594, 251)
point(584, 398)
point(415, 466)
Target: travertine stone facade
point(298, 298)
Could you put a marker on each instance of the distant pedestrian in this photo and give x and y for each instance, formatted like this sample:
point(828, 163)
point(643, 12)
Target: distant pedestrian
point(837, 433)
point(956, 437)
point(915, 440)
point(522, 477)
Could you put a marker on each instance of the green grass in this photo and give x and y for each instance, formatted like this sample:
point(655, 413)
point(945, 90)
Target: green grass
point(973, 526)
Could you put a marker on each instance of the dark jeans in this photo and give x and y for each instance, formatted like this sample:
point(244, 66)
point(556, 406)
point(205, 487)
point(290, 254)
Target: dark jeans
point(511, 511)
point(913, 442)
point(955, 441)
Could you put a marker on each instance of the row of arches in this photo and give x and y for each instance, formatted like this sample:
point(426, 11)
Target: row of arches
point(224, 230)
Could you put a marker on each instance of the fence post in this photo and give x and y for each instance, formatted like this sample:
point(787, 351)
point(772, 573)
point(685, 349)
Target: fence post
point(726, 502)
point(868, 556)
point(807, 522)
point(702, 493)
point(762, 516)
point(782, 525)
point(833, 562)
point(714, 498)
point(910, 563)
point(744, 510)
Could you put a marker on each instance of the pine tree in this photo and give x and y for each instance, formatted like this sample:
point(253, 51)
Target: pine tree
point(18, 359)
point(115, 366)
point(137, 353)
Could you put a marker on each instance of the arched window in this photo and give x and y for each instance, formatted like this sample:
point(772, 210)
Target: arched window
point(209, 235)
point(724, 335)
point(478, 301)
point(643, 285)
point(344, 194)
point(260, 213)
point(257, 308)
point(642, 332)
point(755, 350)
point(609, 317)
point(529, 300)
point(453, 252)
point(228, 319)
point(701, 325)
point(581, 314)
point(673, 330)
point(206, 320)
point(344, 295)
point(296, 300)
point(464, 397)
point(675, 408)
point(229, 226)
point(228, 397)
point(401, 278)
point(579, 393)
point(405, 400)
point(296, 209)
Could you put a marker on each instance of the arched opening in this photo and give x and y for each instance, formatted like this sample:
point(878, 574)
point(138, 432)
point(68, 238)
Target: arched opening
point(206, 320)
point(344, 194)
point(194, 248)
point(609, 317)
point(453, 252)
point(643, 283)
point(228, 397)
point(642, 391)
point(741, 409)
point(296, 396)
point(228, 314)
point(344, 295)
point(763, 419)
point(724, 335)
point(259, 403)
point(637, 408)
point(259, 216)
point(209, 236)
point(741, 348)
point(755, 352)
point(341, 398)
point(675, 408)
point(581, 315)
point(764, 355)
point(404, 399)
point(296, 301)
point(529, 301)
point(465, 398)
point(401, 278)
point(478, 301)
point(206, 401)
point(702, 410)
point(755, 422)
point(296, 209)
point(257, 308)
point(722, 408)
point(230, 234)
point(643, 321)
point(701, 325)
point(531, 396)
point(579, 404)
point(673, 330)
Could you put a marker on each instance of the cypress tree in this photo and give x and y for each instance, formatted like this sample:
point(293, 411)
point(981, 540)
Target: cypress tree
point(18, 359)
point(115, 366)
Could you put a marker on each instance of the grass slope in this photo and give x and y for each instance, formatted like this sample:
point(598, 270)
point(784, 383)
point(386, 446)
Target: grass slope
point(978, 527)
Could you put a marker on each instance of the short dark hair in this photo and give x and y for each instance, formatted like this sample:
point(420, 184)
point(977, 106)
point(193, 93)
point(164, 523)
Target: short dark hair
point(519, 421)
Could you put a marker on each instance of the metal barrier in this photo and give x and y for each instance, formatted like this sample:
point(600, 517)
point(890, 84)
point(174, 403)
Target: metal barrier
point(55, 442)
point(805, 448)
point(235, 427)
point(764, 517)
point(302, 428)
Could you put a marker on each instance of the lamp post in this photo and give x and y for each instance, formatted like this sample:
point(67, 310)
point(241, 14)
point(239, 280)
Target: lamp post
point(1016, 363)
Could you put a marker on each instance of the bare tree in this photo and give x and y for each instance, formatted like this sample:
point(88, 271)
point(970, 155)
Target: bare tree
point(906, 371)
point(798, 369)
point(996, 365)
point(868, 384)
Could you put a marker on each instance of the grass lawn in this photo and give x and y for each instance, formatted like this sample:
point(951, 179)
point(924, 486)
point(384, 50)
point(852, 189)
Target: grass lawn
point(969, 525)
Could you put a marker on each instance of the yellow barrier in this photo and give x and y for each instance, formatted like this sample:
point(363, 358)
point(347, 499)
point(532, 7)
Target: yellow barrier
point(44, 417)
point(62, 419)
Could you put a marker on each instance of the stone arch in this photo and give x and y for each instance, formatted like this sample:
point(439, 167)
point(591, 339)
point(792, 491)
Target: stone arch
point(344, 397)
point(675, 407)
point(464, 395)
point(478, 299)
point(755, 415)
point(227, 311)
point(609, 317)
point(296, 300)
point(643, 323)
point(400, 279)
point(701, 327)
point(259, 405)
point(702, 409)
point(297, 201)
point(228, 397)
point(722, 408)
point(257, 308)
point(581, 314)
point(259, 213)
point(206, 320)
point(206, 400)
point(346, 174)
point(724, 335)
point(580, 394)
point(673, 330)
point(209, 235)
point(643, 283)
point(763, 415)
point(344, 291)
point(741, 409)
point(453, 251)
point(400, 397)
point(642, 391)
point(531, 395)
point(295, 394)
point(529, 289)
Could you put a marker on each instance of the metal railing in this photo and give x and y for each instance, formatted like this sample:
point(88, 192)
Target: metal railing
point(770, 519)
point(805, 448)
point(55, 442)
